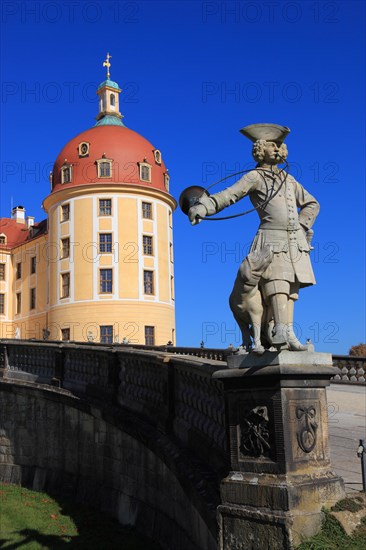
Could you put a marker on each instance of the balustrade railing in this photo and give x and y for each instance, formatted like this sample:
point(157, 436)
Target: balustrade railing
point(172, 391)
point(41, 360)
point(352, 369)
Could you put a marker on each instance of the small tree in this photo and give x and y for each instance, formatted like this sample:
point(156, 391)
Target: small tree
point(359, 350)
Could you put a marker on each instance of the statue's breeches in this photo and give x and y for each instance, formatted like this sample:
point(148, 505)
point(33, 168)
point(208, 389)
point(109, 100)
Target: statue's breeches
point(291, 258)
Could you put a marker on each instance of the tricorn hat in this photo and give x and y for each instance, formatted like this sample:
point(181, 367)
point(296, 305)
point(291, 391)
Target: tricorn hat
point(268, 132)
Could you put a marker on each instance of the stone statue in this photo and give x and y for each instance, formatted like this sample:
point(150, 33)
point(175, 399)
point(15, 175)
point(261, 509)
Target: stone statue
point(278, 264)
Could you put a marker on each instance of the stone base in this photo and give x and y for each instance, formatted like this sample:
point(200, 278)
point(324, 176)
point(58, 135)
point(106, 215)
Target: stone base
point(279, 511)
point(284, 357)
point(244, 528)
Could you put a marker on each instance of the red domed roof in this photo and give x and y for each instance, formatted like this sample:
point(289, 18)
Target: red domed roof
point(124, 147)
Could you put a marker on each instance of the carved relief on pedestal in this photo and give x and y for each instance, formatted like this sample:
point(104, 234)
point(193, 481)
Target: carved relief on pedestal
point(307, 430)
point(254, 433)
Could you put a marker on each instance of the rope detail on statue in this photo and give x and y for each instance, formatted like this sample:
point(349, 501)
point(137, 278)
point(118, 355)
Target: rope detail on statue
point(260, 206)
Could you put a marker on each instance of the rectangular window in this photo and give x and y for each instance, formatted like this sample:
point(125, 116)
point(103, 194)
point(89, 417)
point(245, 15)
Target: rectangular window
point(170, 219)
point(147, 242)
point(172, 287)
point(2, 239)
point(149, 336)
point(65, 248)
point(19, 302)
point(65, 212)
point(147, 210)
point(104, 169)
point(65, 334)
point(2, 272)
point(105, 207)
point(171, 251)
point(105, 242)
point(2, 304)
point(32, 301)
point(148, 282)
point(19, 270)
point(106, 334)
point(66, 174)
point(33, 264)
point(145, 172)
point(65, 285)
point(106, 281)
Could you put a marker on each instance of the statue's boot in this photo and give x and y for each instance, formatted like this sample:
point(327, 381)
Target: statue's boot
point(293, 343)
point(280, 314)
point(279, 334)
point(258, 349)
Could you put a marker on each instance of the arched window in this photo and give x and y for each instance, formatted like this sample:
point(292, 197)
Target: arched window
point(113, 100)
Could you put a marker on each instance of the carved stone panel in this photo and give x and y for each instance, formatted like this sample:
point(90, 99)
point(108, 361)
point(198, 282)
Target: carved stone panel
point(254, 432)
point(307, 430)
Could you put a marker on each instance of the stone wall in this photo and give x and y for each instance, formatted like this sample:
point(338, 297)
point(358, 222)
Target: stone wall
point(53, 441)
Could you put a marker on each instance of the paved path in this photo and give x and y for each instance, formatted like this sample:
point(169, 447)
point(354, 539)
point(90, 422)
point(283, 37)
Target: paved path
point(347, 425)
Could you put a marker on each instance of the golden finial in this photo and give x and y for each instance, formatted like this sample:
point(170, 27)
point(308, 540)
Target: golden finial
point(107, 64)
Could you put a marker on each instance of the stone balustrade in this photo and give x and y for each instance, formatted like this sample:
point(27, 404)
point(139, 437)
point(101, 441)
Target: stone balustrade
point(352, 369)
point(174, 392)
point(237, 450)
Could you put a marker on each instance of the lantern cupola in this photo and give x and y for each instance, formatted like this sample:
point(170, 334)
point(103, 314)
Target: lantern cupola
point(108, 92)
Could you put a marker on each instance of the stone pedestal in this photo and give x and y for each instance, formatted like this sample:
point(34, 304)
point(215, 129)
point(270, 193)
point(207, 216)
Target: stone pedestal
point(281, 473)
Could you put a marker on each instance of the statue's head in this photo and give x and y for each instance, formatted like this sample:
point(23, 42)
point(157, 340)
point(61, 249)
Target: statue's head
point(265, 152)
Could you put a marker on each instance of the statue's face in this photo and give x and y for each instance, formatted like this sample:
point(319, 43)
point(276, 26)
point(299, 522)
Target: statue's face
point(271, 153)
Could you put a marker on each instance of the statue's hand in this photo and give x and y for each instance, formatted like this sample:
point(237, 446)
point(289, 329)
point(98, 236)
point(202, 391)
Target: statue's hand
point(196, 213)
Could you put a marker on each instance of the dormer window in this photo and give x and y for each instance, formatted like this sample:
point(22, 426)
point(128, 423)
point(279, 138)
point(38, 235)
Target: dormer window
point(66, 173)
point(83, 149)
point(2, 239)
point(104, 167)
point(145, 171)
point(166, 180)
point(157, 156)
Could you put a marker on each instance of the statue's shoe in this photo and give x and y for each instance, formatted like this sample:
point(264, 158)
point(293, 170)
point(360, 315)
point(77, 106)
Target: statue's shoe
point(293, 343)
point(258, 350)
point(279, 334)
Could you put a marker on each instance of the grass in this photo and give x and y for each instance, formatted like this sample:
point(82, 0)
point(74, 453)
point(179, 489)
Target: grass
point(34, 521)
point(333, 537)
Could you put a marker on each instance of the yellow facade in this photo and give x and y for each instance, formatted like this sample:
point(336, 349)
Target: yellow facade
point(22, 319)
point(126, 305)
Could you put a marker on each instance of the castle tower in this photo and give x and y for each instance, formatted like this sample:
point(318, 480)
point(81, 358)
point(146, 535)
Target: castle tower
point(110, 222)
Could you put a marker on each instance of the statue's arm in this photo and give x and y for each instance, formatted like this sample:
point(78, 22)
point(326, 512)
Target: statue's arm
point(209, 205)
point(309, 206)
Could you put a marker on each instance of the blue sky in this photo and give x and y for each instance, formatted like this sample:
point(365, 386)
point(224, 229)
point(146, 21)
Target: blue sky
point(193, 74)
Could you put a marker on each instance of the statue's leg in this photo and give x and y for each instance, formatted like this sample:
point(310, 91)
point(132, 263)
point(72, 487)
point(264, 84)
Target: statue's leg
point(246, 304)
point(278, 294)
point(280, 313)
point(256, 329)
point(235, 302)
point(294, 343)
